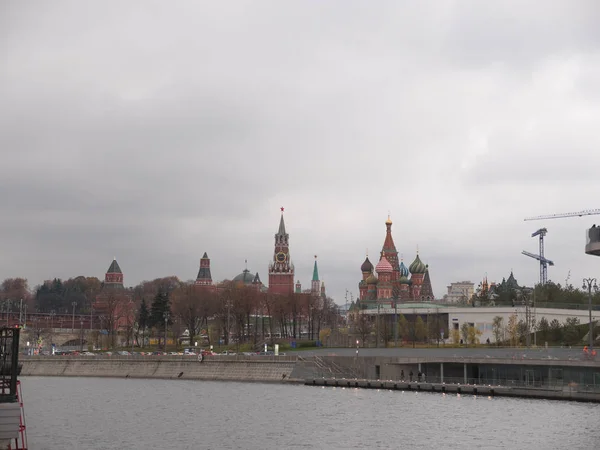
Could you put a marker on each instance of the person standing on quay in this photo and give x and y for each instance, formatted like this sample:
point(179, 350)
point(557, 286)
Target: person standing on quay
point(402, 375)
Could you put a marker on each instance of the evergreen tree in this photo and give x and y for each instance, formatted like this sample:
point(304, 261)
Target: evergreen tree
point(160, 306)
point(144, 315)
point(544, 329)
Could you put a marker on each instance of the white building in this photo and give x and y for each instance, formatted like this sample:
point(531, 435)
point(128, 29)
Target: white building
point(460, 292)
point(483, 318)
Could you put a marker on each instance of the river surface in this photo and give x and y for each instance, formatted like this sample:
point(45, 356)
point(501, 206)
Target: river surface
point(106, 413)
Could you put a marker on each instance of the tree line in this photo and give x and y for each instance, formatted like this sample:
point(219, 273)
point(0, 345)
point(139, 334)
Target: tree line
point(229, 311)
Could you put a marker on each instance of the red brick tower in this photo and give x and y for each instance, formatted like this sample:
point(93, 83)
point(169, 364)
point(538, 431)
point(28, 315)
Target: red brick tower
point(114, 276)
point(281, 270)
point(391, 254)
point(204, 277)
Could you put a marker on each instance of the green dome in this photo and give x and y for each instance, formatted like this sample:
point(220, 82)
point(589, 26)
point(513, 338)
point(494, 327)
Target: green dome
point(372, 279)
point(404, 280)
point(417, 266)
point(245, 277)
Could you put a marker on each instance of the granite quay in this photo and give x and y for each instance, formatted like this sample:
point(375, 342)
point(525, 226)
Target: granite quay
point(540, 375)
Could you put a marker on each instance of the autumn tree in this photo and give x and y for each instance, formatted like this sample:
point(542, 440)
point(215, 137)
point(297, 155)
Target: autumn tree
point(464, 332)
point(473, 335)
point(420, 329)
point(363, 326)
point(403, 328)
point(188, 304)
point(512, 329)
point(498, 329)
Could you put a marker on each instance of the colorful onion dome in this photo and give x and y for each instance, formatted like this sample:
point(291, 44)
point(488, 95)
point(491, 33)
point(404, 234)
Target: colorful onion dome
point(384, 266)
point(404, 270)
point(417, 266)
point(366, 266)
point(404, 280)
point(372, 279)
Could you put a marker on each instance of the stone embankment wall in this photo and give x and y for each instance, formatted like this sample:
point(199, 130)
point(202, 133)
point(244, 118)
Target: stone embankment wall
point(276, 369)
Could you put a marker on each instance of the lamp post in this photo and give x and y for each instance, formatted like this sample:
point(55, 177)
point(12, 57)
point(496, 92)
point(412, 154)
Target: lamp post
point(81, 332)
point(21, 312)
point(74, 304)
point(8, 311)
point(589, 284)
point(25, 321)
point(166, 315)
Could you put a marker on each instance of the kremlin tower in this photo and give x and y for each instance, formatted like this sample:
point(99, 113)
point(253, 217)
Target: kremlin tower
point(281, 270)
point(204, 277)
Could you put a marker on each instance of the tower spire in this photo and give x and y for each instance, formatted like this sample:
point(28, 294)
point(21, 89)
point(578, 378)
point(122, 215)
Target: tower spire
point(281, 231)
point(315, 271)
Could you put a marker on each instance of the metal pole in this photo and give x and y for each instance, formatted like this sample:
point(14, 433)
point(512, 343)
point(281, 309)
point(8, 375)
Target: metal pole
point(81, 331)
point(589, 283)
point(395, 323)
point(73, 322)
point(21, 312)
point(25, 323)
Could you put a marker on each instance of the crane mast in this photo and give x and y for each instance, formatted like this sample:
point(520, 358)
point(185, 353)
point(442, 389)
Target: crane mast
point(544, 262)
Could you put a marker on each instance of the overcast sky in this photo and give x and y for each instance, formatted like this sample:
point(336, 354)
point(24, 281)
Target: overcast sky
point(156, 131)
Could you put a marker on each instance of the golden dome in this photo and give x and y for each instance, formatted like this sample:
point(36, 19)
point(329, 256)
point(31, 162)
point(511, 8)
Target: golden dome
point(388, 221)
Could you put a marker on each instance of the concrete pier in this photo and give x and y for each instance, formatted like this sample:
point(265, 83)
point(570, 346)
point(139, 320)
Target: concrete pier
point(463, 389)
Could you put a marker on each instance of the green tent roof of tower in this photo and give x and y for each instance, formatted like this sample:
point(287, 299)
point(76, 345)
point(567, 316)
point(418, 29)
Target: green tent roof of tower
point(315, 272)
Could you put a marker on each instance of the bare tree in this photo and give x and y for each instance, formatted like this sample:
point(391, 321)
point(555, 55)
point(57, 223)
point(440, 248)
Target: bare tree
point(363, 326)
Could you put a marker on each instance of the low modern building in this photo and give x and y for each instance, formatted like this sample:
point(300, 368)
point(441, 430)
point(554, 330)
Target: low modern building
point(482, 318)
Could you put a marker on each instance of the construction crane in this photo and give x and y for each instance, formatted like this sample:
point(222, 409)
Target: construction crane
point(585, 212)
point(592, 246)
point(544, 263)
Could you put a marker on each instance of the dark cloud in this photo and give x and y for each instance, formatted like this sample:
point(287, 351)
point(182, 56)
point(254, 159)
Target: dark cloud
point(154, 132)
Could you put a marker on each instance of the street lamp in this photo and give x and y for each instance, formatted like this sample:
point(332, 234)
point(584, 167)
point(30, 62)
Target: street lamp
point(166, 315)
point(74, 304)
point(81, 331)
point(589, 284)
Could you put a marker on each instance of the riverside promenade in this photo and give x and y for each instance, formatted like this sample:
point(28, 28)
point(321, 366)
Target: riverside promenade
point(536, 373)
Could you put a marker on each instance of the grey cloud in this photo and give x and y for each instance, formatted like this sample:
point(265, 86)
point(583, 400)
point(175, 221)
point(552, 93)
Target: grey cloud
point(154, 132)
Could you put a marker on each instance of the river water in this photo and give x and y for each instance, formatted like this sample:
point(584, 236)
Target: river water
point(106, 413)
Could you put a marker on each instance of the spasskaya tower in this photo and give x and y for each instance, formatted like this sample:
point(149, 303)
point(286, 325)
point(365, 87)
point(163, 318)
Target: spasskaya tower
point(281, 269)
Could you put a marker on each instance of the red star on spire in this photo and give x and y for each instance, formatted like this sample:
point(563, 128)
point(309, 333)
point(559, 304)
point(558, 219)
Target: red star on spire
point(282, 209)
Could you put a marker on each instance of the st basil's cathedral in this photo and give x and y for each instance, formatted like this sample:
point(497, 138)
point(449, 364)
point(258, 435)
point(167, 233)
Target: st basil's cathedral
point(390, 280)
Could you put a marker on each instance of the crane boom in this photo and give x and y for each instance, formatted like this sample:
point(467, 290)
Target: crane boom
point(585, 212)
point(538, 257)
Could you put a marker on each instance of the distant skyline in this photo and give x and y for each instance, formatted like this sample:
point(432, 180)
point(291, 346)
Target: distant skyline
point(155, 131)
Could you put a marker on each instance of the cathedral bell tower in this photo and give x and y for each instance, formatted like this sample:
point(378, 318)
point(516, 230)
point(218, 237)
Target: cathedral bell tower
point(281, 270)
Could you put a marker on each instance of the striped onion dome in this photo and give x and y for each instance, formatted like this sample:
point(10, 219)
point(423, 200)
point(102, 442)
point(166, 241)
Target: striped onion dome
point(417, 266)
point(404, 270)
point(384, 266)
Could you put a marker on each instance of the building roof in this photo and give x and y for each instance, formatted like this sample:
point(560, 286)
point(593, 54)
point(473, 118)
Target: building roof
point(281, 227)
point(417, 266)
point(384, 266)
point(114, 267)
point(367, 266)
point(315, 271)
point(245, 277)
point(403, 270)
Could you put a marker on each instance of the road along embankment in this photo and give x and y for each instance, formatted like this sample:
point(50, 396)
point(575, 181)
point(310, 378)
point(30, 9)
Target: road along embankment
point(258, 369)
